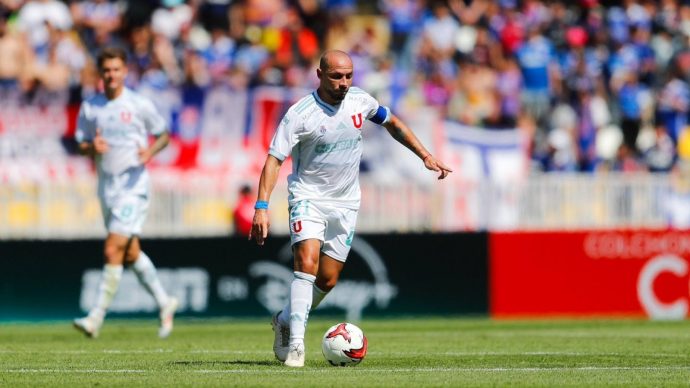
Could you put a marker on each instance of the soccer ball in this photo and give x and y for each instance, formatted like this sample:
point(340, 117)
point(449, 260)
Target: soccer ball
point(344, 344)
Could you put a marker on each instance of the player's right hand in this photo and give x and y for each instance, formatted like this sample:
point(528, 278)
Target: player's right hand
point(433, 164)
point(260, 226)
point(100, 145)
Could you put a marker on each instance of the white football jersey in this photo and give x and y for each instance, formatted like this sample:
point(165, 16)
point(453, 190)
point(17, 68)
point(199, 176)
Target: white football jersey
point(125, 123)
point(325, 142)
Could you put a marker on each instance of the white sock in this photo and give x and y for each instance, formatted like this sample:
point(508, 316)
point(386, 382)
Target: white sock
point(300, 303)
point(112, 273)
point(148, 277)
point(317, 296)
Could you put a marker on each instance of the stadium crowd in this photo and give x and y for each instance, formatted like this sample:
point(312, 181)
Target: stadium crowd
point(597, 85)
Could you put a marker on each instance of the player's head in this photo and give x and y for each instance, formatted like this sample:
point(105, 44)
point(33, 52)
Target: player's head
point(112, 67)
point(335, 75)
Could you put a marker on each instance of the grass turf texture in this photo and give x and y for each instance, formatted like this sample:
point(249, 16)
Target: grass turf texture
point(402, 352)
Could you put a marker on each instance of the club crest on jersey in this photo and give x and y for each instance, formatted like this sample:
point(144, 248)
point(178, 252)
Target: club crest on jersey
point(126, 116)
point(297, 226)
point(357, 120)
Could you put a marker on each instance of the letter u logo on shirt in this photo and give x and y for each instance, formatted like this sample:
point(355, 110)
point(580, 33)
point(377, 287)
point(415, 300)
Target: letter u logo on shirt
point(357, 120)
point(297, 226)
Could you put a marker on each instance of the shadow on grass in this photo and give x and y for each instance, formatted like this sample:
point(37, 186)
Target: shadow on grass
point(235, 362)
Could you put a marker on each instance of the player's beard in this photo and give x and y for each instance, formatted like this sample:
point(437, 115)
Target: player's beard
point(339, 95)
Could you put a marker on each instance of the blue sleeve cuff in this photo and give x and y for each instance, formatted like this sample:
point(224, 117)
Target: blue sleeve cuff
point(382, 115)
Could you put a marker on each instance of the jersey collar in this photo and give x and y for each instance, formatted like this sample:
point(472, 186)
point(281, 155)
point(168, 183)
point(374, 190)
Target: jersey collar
point(322, 103)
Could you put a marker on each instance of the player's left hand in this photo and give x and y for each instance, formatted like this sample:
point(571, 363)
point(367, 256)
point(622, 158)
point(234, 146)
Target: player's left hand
point(260, 226)
point(144, 155)
point(433, 164)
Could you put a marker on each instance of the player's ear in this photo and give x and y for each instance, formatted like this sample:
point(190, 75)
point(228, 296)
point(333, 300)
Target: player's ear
point(318, 72)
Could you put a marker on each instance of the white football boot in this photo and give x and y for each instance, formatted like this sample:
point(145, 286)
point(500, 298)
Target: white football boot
point(281, 339)
point(88, 325)
point(295, 356)
point(167, 315)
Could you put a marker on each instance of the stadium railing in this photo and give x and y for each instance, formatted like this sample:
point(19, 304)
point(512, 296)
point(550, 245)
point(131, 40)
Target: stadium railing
point(202, 207)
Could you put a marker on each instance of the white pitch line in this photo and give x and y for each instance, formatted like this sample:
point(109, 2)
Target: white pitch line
point(75, 371)
point(536, 353)
point(588, 335)
point(435, 370)
point(357, 370)
point(119, 351)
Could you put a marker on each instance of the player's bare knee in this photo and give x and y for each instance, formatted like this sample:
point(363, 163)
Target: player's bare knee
point(113, 253)
point(326, 284)
point(131, 257)
point(306, 265)
point(306, 257)
point(133, 251)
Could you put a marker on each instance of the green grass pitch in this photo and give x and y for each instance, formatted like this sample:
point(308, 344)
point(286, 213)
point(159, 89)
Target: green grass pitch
point(402, 352)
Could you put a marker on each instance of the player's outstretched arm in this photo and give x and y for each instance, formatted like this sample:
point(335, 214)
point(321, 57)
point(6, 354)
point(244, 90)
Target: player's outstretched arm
point(269, 177)
point(404, 135)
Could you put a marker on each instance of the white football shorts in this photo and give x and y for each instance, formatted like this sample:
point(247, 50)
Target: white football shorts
point(334, 226)
point(124, 201)
point(126, 215)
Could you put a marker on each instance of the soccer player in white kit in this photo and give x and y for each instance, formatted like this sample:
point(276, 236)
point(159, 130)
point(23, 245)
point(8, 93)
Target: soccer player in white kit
point(114, 128)
point(322, 133)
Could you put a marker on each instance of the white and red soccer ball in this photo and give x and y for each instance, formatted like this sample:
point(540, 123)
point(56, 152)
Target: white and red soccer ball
point(344, 344)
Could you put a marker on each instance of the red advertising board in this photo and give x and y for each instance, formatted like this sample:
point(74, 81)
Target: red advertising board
point(639, 273)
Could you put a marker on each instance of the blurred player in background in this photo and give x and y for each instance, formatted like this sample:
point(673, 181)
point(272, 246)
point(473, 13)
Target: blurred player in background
point(322, 133)
point(114, 129)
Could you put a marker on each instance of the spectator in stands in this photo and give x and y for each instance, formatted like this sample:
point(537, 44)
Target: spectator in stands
point(243, 212)
point(508, 86)
point(403, 17)
point(15, 63)
point(97, 22)
point(297, 44)
point(627, 160)
point(34, 18)
point(52, 77)
point(219, 55)
point(140, 52)
point(251, 56)
point(70, 53)
point(475, 95)
point(437, 45)
point(172, 19)
point(661, 156)
point(632, 98)
point(540, 75)
point(673, 103)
